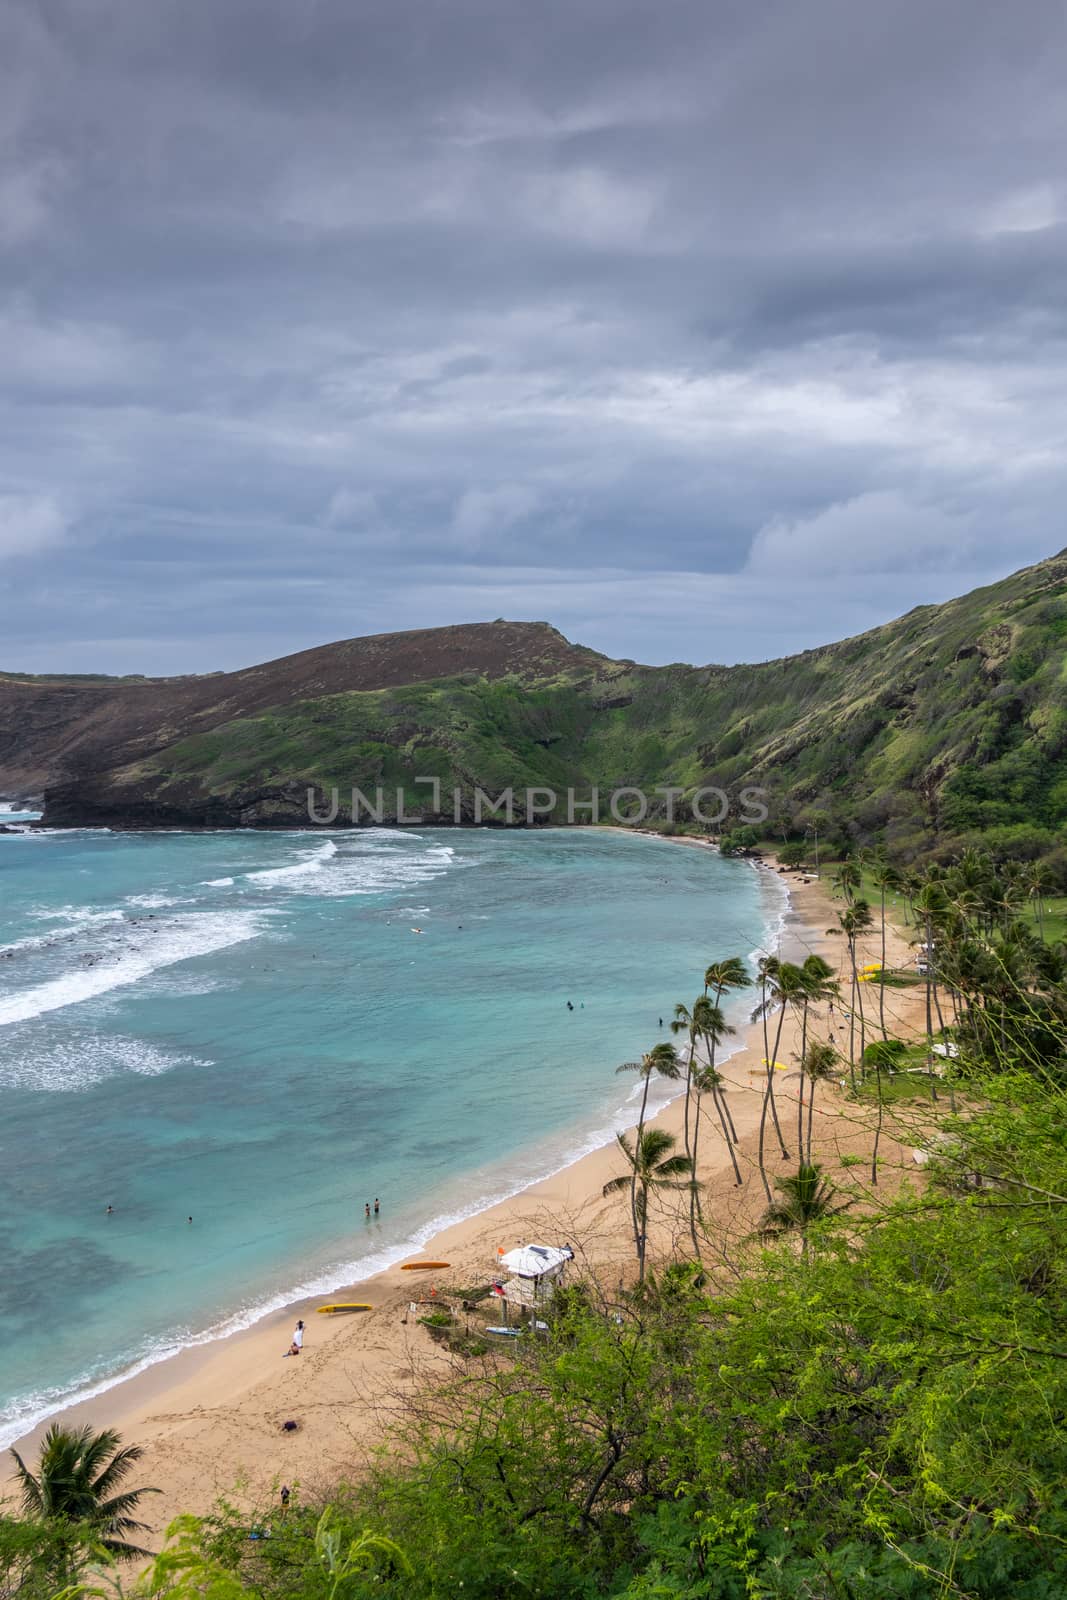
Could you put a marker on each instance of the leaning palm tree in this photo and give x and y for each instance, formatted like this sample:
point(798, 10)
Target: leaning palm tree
point(820, 1065)
point(1038, 881)
point(77, 1482)
point(651, 1166)
point(712, 1027)
point(708, 1080)
point(781, 985)
point(819, 984)
point(881, 1054)
point(730, 973)
point(807, 1198)
point(721, 977)
point(885, 878)
point(854, 922)
point(933, 906)
point(661, 1062)
point(846, 880)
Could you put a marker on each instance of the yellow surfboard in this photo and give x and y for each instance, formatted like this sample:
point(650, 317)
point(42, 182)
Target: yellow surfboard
point(346, 1305)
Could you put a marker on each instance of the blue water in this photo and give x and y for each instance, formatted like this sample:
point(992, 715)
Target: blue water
point(244, 1029)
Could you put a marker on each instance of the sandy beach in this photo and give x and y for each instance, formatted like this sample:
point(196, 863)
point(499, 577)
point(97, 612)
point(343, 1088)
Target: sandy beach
point(210, 1419)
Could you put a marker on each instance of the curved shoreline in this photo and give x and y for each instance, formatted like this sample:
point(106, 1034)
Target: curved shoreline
point(170, 1388)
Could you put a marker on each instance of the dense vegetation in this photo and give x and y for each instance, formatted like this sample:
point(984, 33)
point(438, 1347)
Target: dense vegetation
point(863, 1401)
point(946, 727)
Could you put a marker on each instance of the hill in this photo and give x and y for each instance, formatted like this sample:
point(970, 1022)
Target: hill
point(949, 722)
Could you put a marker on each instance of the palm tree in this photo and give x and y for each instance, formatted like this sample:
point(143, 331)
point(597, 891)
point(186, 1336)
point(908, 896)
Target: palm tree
point(819, 985)
point(932, 905)
point(885, 878)
point(781, 984)
point(1038, 881)
point(846, 880)
point(684, 1022)
point(729, 974)
point(652, 1166)
point(661, 1061)
point(820, 1064)
point(854, 921)
point(707, 1080)
point(77, 1482)
point(817, 820)
point(719, 978)
point(807, 1198)
point(879, 1054)
point(712, 1027)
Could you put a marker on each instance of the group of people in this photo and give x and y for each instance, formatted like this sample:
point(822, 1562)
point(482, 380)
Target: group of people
point(366, 1207)
point(298, 1339)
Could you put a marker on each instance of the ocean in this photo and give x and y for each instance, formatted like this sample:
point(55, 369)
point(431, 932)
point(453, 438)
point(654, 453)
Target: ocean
point(248, 1030)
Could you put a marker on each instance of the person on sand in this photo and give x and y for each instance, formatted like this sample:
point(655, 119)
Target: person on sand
point(298, 1335)
point(293, 1350)
point(283, 1495)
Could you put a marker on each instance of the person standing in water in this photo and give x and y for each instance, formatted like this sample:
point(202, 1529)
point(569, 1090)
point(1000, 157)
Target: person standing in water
point(366, 1208)
point(375, 1205)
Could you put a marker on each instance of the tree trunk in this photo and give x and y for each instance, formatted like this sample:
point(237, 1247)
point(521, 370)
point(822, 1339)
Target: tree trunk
point(929, 1013)
point(878, 1128)
point(763, 1109)
point(694, 1187)
point(720, 1107)
point(881, 975)
point(811, 1116)
point(800, 1098)
point(637, 1146)
point(852, 1012)
point(770, 1083)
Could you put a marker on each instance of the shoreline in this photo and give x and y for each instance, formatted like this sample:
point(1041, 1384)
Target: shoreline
point(186, 1391)
point(575, 1144)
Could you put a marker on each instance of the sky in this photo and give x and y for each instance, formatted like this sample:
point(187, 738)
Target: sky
point(706, 330)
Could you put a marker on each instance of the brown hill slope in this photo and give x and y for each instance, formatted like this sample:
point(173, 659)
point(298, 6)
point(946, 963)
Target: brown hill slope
point(55, 730)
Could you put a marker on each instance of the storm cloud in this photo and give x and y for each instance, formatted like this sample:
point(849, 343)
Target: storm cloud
point(704, 331)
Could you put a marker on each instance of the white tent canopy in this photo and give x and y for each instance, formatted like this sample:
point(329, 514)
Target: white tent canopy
point(536, 1260)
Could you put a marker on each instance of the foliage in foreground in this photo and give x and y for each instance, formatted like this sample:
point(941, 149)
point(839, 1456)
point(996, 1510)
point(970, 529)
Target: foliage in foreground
point(877, 1416)
point(870, 1407)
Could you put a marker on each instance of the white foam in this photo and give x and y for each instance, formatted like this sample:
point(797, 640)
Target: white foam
point(298, 871)
point(216, 883)
point(87, 1060)
point(26, 1413)
point(180, 938)
point(77, 916)
point(369, 863)
point(151, 902)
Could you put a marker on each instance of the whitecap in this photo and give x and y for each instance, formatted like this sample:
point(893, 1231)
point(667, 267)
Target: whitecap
point(181, 938)
point(86, 1060)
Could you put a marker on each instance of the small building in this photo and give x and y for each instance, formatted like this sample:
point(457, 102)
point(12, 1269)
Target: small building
point(534, 1272)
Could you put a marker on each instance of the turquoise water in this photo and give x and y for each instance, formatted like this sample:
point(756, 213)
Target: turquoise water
point(244, 1029)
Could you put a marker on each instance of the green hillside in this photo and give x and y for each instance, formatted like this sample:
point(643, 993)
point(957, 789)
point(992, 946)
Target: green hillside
point(946, 723)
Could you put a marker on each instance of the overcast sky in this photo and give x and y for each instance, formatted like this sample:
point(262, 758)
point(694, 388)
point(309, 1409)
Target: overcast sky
point(706, 331)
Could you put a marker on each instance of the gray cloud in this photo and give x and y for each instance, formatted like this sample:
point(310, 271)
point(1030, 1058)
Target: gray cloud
point(706, 332)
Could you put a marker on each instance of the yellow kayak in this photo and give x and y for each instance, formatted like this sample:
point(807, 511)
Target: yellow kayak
point(345, 1305)
point(424, 1266)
